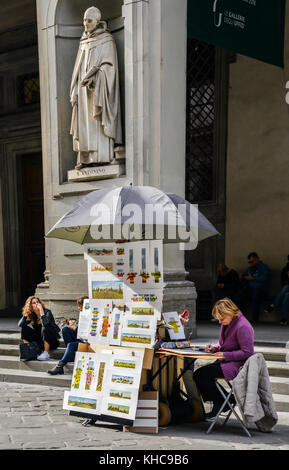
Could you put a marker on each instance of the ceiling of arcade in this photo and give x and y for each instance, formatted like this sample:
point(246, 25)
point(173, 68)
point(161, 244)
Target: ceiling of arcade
point(15, 13)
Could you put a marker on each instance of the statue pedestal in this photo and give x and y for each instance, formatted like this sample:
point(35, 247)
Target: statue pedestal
point(94, 173)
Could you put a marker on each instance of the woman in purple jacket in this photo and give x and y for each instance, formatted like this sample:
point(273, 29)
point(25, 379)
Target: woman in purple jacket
point(235, 346)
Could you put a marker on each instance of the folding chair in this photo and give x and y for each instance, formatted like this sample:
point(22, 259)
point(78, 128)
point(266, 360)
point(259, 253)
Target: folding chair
point(231, 405)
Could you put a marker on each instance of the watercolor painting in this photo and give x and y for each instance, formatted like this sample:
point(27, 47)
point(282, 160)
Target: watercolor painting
point(116, 326)
point(100, 376)
point(100, 268)
point(120, 394)
point(82, 402)
point(105, 324)
point(136, 338)
point(142, 311)
point(138, 324)
point(118, 408)
point(101, 251)
point(122, 379)
point(122, 363)
point(107, 290)
point(77, 374)
point(89, 375)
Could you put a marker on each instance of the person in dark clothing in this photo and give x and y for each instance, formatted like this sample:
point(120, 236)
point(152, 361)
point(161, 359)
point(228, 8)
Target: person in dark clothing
point(227, 282)
point(38, 324)
point(254, 285)
point(69, 334)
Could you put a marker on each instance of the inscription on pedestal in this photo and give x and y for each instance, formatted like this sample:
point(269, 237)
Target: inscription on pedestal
point(94, 173)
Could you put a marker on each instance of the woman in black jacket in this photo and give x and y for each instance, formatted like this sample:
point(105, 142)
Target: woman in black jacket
point(38, 324)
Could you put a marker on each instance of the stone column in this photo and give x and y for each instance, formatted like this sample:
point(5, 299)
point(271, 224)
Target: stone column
point(136, 14)
point(167, 152)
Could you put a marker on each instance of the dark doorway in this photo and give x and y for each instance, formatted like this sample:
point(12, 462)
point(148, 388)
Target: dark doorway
point(32, 245)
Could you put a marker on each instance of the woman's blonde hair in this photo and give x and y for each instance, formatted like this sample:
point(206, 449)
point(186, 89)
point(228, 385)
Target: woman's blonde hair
point(28, 310)
point(225, 308)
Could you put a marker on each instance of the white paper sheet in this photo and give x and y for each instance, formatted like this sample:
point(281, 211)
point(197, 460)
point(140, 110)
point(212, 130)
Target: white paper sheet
point(84, 321)
point(176, 331)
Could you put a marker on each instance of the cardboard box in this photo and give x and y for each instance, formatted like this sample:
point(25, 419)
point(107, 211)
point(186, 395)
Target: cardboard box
point(96, 348)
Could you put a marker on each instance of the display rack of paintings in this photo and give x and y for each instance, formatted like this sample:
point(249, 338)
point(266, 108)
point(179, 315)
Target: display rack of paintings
point(105, 384)
point(125, 285)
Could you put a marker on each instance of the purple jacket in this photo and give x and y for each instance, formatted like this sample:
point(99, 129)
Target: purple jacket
point(237, 343)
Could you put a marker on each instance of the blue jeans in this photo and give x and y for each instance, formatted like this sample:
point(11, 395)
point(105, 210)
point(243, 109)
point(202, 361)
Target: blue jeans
point(282, 299)
point(71, 343)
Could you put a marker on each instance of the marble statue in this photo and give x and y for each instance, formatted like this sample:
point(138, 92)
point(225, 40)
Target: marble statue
point(94, 94)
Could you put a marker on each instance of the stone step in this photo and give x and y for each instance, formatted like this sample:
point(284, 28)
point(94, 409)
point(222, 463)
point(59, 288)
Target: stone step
point(14, 338)
point(272, 353)
point(42, 378)
point(12, 362)
point(32, 377)
point(281, 402)
point(278, 369)
point(13, 350)
point(280, 385)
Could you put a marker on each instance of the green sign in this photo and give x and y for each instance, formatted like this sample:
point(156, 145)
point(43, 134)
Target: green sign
point(254, 28)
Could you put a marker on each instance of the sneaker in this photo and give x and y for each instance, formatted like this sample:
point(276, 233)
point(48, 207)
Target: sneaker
point(283, 322)
point(44, 356)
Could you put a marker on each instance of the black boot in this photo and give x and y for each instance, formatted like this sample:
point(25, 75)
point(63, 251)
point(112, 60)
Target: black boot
point(58, 369)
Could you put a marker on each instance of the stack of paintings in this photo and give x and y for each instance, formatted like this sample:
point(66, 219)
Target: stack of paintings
point(125, 283)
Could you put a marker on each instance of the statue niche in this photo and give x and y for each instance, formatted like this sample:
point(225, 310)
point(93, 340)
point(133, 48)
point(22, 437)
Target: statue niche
point(95, 95)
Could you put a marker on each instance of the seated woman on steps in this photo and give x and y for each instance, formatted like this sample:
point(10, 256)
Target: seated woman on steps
point(69, 334)
point(37, 324)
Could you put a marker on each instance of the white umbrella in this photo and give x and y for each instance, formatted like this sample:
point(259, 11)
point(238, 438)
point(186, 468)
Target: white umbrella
point(133, 213)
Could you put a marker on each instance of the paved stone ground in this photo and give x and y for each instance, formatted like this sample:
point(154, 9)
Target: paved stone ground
point(31, 417)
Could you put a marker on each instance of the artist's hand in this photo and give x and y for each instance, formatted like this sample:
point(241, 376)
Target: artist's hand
point(220, 355)
point(210, 349)
point(249, 277)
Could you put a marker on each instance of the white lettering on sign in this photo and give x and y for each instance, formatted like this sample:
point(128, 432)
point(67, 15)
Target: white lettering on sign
point(217, 19)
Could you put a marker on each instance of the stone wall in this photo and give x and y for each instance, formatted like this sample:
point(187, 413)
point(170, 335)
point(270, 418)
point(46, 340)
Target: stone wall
point(257, 168)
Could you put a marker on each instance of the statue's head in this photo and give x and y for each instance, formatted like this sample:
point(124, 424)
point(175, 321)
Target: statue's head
point(91, 19)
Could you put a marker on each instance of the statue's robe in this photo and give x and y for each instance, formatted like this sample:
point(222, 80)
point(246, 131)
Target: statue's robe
point(95, 124)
